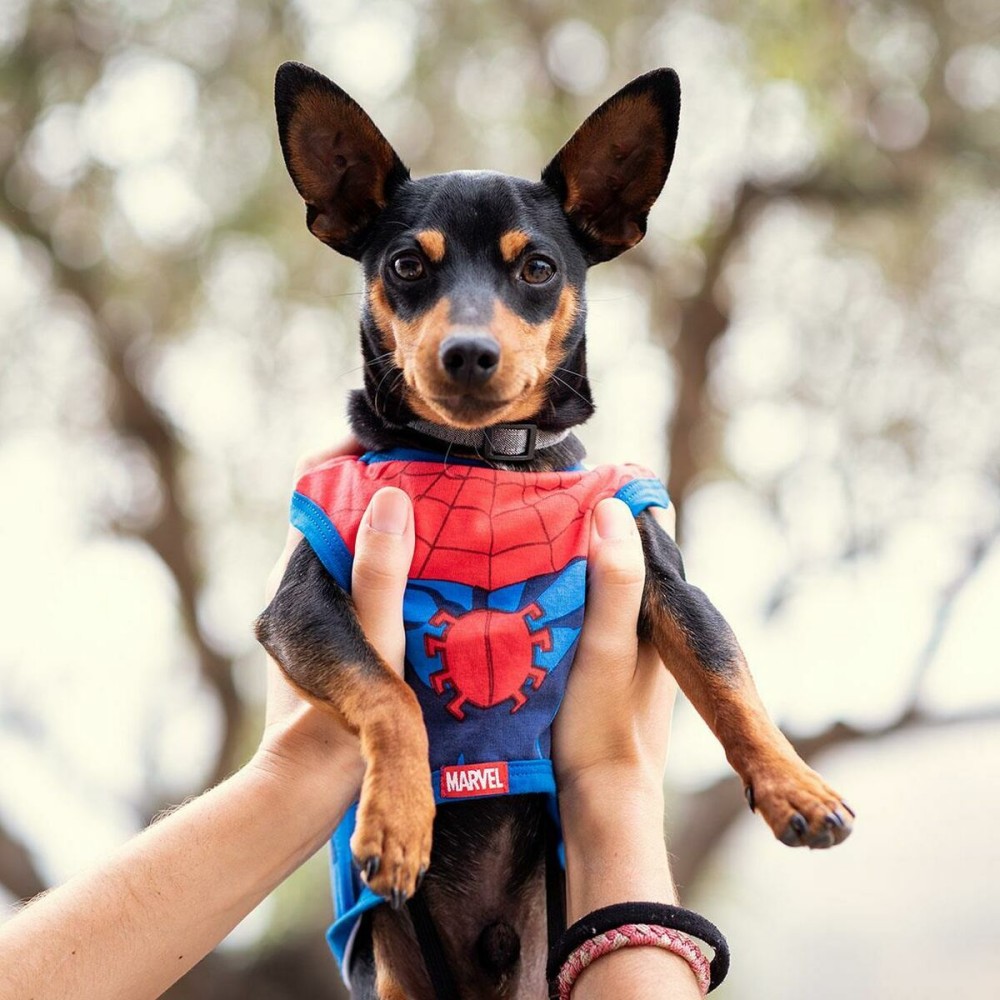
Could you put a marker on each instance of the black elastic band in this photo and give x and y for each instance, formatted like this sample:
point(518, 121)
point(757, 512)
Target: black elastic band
point(432, 950)
point(658, 914)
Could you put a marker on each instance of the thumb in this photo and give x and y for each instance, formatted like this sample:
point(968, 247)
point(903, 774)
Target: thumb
point(382, 556)
point(615, 577)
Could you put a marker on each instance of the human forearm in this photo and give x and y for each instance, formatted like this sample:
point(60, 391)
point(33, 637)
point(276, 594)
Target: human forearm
point(135, 925)
point(129, 928)
point(615, 853)
point(614, 847)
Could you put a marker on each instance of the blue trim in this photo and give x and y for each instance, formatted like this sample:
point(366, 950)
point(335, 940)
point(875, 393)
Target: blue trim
point(345, 883)
point(339, 932)
point(311, 520)
point(524, 777)
point(642, 493)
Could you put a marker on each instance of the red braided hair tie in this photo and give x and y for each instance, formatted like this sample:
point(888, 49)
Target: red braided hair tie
point(635, 924)
point(633, 936)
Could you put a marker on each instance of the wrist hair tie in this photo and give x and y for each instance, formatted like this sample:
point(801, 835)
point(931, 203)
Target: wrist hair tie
point(629, 925)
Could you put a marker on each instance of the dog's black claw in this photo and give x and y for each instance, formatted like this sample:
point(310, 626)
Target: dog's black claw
point(793, 833)
point(371, 867)
point(420, 877)
point(751, 802)
point(834, 819)
point(849, 809)
point(397, 898)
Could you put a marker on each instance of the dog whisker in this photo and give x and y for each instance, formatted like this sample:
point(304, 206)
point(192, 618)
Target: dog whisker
point(377, 360)
point(569, 371)
point(378, 389)
point(566, 385)
point(395, 383)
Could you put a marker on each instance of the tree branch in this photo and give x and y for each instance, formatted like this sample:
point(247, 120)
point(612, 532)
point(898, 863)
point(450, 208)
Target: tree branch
point(709, 813)
point(704, 319)
point(170, 536)
point(18, 873)
point(136, 416)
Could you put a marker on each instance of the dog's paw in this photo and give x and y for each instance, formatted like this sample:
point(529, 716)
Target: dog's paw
point(392, 837)
point(800, 807)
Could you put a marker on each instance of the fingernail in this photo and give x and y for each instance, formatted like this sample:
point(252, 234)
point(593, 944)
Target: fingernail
point(389, 512)
point(614, 519)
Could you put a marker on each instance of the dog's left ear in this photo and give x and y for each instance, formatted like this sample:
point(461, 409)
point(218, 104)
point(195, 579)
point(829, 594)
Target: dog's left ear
point(340, 162)
point(610, 172)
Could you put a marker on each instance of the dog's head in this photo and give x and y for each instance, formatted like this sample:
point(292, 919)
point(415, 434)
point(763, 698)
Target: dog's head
point(474, 307)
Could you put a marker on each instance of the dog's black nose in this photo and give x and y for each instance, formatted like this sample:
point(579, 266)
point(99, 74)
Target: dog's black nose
point(470, 360)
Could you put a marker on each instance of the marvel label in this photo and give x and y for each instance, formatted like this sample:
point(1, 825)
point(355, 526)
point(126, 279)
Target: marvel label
point(468, 780)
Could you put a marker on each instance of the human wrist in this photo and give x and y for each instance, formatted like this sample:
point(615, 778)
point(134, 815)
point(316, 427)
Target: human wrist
point(605, 804)
point(311, 759)
point(598, 942)
point(632, 780)
point(615, 848)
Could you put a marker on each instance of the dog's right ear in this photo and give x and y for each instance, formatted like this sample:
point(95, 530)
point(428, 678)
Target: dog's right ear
point(341, 164)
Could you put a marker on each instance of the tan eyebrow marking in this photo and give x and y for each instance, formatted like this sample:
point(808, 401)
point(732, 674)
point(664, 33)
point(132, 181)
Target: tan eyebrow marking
point(432, 243)
point(512, 243)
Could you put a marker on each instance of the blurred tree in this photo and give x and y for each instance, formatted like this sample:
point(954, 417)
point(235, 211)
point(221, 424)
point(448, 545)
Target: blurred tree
point(822, 277)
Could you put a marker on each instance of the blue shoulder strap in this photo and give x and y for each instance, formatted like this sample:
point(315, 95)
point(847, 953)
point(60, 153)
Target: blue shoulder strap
point(641, 494)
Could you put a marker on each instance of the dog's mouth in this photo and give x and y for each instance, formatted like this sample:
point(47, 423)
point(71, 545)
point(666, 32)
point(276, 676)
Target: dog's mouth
point(469, 411)
point(506, 399)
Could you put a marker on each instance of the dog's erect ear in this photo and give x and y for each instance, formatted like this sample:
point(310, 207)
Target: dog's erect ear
point(609, 173)
point(340, 162)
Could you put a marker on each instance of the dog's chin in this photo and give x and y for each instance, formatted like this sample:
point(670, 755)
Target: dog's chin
point(468, 411)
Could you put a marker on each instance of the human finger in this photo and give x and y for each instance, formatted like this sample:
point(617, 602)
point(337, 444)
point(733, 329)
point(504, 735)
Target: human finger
point(383, 553)
point(616, 573)
point(346, 446)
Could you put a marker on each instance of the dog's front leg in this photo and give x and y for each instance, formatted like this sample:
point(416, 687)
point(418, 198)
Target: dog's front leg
point(311, 629)
point(699, 648)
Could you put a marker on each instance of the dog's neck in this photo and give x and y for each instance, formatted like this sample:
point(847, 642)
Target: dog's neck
point(553, 450)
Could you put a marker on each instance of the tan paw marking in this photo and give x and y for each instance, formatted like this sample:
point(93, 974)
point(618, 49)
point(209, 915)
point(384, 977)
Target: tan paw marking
point(392, 839)
point(800, 807)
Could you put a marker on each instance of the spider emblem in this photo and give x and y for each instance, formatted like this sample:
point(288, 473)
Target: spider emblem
point(486, 656)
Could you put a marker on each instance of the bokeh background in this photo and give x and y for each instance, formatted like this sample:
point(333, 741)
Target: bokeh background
point(806, 346)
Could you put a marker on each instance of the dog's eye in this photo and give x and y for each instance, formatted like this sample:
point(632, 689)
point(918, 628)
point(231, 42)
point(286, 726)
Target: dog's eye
point(408, 266)
point(537, 270)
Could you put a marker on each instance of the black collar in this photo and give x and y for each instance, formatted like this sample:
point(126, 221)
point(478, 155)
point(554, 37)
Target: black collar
point(502, 442)
point(522, 446)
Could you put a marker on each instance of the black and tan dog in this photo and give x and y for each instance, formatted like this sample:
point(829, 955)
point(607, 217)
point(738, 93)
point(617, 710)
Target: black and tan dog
point(473, 317)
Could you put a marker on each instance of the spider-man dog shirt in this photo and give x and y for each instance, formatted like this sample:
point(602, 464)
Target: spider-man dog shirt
point(492, 611)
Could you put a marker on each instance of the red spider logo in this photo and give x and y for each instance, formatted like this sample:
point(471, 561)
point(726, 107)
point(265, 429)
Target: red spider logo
point(486, 656)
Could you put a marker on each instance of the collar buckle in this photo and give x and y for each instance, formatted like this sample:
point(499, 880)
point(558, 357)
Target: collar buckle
point(510, 442)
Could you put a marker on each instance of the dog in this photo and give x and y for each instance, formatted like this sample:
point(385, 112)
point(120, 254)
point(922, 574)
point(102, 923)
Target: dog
point(472, 333)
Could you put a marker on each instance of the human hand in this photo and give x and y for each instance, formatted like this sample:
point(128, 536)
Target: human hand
point(613, 726)
point(301, 736)
point(611, 734)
